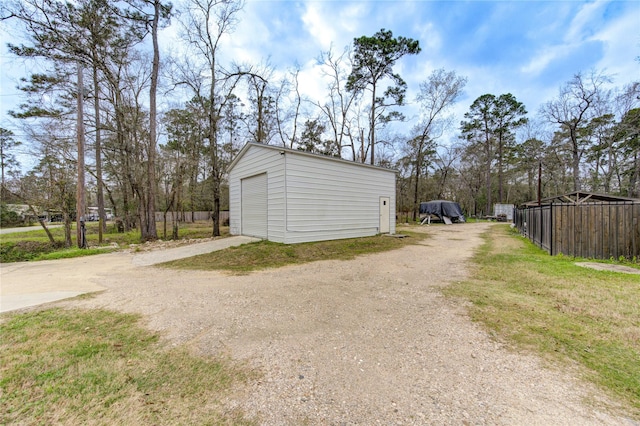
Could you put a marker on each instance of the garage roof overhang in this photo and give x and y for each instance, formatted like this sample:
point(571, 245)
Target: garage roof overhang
point(303, 153)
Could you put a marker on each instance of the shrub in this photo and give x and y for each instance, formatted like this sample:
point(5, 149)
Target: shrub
point(26, 250)
point(8, 217)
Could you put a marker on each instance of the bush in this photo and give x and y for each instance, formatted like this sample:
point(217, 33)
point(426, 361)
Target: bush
point(9, 218)
point(22, 251)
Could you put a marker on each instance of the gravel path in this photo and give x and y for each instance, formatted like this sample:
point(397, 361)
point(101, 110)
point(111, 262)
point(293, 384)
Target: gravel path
point(361, 342)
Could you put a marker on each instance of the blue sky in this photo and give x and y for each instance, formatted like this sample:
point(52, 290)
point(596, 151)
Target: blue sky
point(527, 48)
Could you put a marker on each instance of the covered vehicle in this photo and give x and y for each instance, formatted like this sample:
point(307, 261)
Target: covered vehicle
point(446, 211)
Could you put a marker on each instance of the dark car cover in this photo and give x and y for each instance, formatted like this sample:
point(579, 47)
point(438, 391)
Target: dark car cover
point(442, 208)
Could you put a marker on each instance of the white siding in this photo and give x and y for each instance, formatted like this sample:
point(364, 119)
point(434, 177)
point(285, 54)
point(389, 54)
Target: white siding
point(325, 198)
point(258, 160)
point(329, 199)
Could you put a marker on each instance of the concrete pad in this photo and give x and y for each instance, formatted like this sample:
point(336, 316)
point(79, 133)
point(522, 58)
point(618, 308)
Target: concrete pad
point(609, 267)
point(160, 256)
point(12, 302)
point(27, 284)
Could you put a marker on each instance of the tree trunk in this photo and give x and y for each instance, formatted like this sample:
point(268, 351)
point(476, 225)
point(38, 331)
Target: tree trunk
point(149, 230)
point(489, 153)
point(530, 183)
point(635, 177)
point(575, 157)
point(102, 225)
point(80, 197)
point(125, 207)
point(67, 230)
point(164, 226)
point(443, 182)
point(417, 182)
point(415, 195)
point(213, 141)
point(500, 174)
point(372, 124)
point(174, 233)
point(41, 222)
point(113, 202)
point(488, 180)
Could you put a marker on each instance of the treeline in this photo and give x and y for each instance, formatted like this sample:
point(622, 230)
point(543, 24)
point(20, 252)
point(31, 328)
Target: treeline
point(160, 131)
point(585, 139)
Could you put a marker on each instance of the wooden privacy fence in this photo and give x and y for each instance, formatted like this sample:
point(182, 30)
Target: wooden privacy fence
point(191, 216)
point(591, 230)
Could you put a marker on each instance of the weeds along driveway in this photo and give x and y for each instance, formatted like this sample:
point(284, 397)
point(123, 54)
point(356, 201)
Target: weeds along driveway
point(359, 342)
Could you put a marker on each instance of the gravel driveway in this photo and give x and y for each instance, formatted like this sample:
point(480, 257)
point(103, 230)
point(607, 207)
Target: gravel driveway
point(361, 342)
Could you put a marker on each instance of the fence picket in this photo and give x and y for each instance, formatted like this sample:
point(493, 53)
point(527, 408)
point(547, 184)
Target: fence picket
point(598, 230)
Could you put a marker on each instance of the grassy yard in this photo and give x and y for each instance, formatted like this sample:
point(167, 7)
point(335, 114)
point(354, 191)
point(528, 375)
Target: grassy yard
point(266, 254)
point(34, 245)
point(74, 367)
point(100, 367)
point(565, 312)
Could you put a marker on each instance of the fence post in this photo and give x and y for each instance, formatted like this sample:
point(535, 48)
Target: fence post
point(551, 228)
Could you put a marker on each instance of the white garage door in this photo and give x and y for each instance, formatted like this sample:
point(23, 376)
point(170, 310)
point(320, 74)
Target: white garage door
point(254, 206)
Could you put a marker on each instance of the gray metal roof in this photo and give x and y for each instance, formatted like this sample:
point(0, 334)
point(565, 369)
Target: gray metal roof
point(305, 153)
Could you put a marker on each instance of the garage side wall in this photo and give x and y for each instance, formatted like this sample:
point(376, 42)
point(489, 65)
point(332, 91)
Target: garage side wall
point(255, 161)
point(329, 200)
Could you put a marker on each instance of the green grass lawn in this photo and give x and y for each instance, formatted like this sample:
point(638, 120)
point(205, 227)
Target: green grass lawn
point(266, 254)
point(100, 367)
point(34, 245)
point(565, 312)
point(71, 367)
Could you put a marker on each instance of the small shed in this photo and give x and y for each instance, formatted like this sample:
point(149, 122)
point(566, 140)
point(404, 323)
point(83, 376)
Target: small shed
point(290, 196)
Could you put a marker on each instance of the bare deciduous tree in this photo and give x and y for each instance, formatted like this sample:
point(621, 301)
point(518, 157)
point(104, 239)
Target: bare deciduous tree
point(437, 94)
point(573, 109)
point(204, 24)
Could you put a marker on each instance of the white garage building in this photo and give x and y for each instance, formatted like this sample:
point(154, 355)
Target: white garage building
point(290, 196)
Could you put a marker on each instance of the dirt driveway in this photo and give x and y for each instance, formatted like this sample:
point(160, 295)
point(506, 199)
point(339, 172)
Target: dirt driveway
point(361, 342)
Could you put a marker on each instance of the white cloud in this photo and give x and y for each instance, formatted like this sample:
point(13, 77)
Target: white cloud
point(313, 85)
point(430, 39)
point(544, 57)
point(334, 23)
point(621, 47)
point(250, 41)
point(351, 17)
point(582, 24)
point(584, 27)
point(317, 26)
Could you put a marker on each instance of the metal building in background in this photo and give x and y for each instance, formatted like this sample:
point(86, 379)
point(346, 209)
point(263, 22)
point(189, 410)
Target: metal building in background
point(290, 196)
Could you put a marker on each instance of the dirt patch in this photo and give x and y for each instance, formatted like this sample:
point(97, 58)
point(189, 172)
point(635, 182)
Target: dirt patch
point(360, 342)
